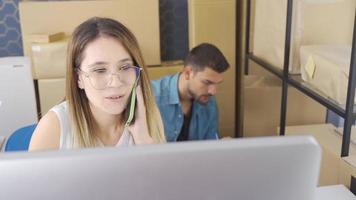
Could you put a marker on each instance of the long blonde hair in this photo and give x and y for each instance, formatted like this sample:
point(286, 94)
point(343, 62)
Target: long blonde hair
point(83, 123)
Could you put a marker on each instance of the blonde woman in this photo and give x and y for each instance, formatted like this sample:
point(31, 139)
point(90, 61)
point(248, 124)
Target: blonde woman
point(104, 64)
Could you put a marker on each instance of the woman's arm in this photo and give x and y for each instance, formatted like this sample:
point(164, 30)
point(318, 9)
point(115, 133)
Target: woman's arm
point(47, 133)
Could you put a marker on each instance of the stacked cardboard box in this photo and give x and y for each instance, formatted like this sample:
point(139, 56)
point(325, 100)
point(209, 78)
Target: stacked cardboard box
point(334, 169)
point(262, 106)
point(214, 21)
point(157, 72)
point(46, 43)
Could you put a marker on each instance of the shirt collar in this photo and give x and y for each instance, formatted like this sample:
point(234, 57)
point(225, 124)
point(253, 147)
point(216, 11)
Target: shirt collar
point(173, 90)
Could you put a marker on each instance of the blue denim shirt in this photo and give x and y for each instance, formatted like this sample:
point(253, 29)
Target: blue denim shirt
point(204, 118)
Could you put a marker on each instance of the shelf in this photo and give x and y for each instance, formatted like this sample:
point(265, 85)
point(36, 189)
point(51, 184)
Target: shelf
point(297, 82)
point(347, 112)
point(274, 70)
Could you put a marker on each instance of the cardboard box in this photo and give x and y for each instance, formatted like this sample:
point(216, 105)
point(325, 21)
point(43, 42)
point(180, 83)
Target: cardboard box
point(262, 105)
point(214, 21)
point(140, 16)
point(330, 141)
point(326, 69)
point(49, 59)
point(51, 92)
point(347, 170)
point(309, 22)
point(46, 37)
point(164, 70)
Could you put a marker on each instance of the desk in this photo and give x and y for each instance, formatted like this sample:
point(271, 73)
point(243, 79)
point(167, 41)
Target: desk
point(334, 192)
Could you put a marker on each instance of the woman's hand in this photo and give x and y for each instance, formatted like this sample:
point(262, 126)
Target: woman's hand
point(139, 129)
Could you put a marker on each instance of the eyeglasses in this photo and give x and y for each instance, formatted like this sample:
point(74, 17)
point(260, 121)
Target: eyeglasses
point(100, 77)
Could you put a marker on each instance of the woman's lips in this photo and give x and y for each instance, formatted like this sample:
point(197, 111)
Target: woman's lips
point(114, 97)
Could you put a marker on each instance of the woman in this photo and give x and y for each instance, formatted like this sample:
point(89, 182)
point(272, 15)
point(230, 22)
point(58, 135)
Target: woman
point(103, 64)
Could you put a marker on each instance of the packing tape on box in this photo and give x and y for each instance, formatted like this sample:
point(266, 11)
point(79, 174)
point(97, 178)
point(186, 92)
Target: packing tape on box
point(49, 59)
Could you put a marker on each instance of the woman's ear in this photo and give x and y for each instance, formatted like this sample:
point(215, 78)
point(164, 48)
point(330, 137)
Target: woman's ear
point(80, 83)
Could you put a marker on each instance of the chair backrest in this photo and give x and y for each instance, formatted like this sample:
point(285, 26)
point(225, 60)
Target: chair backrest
point(20, 139)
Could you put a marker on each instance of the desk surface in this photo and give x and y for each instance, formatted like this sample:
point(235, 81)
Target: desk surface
point(334, 192)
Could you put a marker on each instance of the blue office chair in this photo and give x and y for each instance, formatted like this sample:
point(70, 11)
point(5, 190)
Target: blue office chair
point(20, 139)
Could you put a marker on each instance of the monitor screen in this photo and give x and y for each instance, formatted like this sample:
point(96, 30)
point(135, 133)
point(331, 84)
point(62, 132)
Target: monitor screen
point(271, 168)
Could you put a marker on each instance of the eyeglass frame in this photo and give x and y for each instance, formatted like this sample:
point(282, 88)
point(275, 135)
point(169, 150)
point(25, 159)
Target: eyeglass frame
point(87, 74)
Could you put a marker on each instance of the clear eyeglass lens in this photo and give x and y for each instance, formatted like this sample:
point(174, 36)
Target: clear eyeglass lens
point(101, 79)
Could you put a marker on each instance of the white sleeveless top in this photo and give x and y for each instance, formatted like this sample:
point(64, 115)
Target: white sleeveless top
point(66, 139)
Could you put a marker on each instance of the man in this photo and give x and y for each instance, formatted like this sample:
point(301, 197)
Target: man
point(186, 100)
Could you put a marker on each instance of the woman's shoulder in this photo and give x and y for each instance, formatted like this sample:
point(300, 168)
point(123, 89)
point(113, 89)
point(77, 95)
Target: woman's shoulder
point(47, 133)
point(62, 107)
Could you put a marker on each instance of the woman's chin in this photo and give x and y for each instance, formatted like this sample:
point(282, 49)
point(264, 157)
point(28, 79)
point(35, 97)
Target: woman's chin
point(114, 111)
point(115, 107)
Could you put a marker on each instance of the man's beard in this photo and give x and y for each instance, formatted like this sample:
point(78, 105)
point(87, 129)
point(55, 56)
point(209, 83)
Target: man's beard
point(197, 98)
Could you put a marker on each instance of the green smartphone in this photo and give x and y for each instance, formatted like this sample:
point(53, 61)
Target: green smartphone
point(131, 106)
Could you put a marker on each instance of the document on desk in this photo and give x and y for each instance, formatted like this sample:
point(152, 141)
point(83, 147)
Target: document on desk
point(334, 192)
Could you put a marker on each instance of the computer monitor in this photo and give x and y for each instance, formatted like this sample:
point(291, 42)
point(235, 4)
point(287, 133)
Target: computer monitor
point(276, 168)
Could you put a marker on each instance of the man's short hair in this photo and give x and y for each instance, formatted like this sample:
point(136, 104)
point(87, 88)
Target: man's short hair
point(206, 55)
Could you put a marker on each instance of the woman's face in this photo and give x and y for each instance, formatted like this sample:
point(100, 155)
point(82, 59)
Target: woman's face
point(100, 75)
